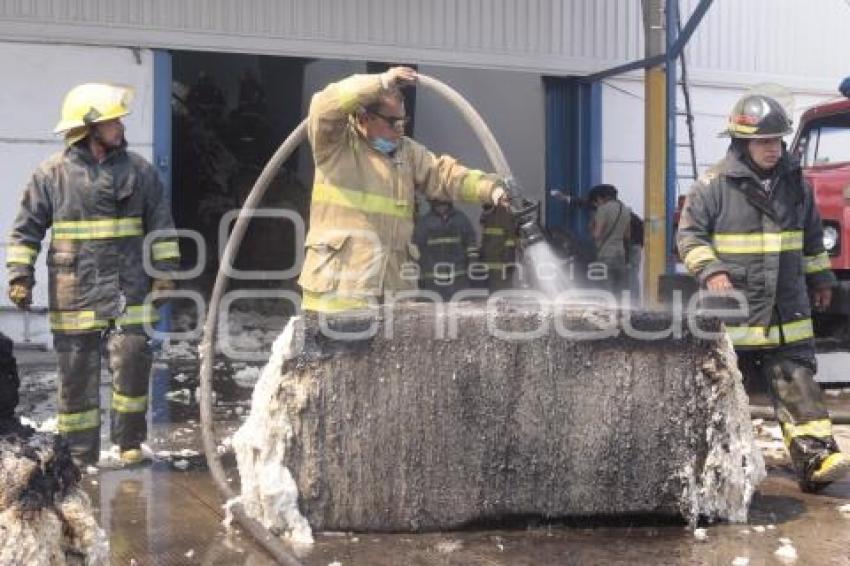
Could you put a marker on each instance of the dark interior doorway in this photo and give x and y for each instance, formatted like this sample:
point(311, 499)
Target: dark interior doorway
point(230, 112)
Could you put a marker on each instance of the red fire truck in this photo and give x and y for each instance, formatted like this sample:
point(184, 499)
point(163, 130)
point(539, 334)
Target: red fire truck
point(822, 143)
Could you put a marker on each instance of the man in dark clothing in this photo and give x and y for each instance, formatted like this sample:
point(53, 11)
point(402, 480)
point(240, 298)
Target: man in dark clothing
point(100, 201)
point(498, 247)
point(446, 241)
point(750, 224)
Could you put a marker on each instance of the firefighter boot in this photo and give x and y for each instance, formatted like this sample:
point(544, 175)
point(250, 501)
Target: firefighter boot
point(806, 427)
point(131, 456)
point(818, 462)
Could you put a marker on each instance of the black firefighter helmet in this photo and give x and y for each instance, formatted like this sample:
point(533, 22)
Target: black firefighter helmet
point(758, 116)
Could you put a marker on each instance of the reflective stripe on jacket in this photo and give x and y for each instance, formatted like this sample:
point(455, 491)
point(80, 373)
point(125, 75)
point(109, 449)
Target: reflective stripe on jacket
point(448, 242)
point(99, 214)
point(769, 243)
point(361, 212)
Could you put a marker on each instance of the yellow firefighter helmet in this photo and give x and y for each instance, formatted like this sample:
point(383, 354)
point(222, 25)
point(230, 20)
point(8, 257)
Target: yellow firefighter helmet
point(90, 103)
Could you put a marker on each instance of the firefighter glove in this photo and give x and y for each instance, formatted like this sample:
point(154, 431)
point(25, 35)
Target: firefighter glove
point(20, 293)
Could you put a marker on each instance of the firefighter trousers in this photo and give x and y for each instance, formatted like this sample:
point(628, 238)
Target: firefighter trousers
point(797, 401)
point(79, 360)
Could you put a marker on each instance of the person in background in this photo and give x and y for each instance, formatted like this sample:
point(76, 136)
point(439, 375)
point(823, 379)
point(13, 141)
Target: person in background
point(610, 229)
point(634, 258)
point(498, 247)
point(446, 242)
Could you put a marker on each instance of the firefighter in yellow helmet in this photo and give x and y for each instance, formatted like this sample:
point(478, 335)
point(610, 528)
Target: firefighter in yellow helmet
point(100, 200)
point(367, 172)
point(751, 224)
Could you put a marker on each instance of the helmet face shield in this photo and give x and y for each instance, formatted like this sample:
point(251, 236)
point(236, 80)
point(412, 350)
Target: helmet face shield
point(91, 103)
point(758, 116)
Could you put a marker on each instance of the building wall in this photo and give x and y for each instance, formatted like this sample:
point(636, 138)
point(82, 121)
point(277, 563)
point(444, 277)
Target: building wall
point(36, 78)
point(623, 129)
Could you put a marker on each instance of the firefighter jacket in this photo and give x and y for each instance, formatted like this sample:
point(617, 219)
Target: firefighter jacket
point(445, 245)
point(361, 212)
point(99, 214)
point(769, 240)
point(498, 239)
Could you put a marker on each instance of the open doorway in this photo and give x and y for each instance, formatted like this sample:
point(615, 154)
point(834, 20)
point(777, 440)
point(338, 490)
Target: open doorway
point(230, 112)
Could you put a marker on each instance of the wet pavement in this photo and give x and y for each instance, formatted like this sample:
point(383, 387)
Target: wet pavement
point(169, 512)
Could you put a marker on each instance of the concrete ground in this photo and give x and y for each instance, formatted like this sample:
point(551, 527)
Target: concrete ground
point(168, 511)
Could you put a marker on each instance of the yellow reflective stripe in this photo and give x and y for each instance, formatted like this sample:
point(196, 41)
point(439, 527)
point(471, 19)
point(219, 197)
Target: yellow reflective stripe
point(815, 263)
point(165, 250)
point(75, 320)
point(469, 189)
point(821, 428)
point(125, 404)
point(742, 129)
point(443, 240)
point(360, 200)
point(770, 336)
point(75, 422)
point(96, 229)
point(24, 255)
point(494, 231)
point(330, 302)
point(347, 99)
point(699, 257)
point(88, 320)
point(759, 243)
point(138, 314)
point(510, 243)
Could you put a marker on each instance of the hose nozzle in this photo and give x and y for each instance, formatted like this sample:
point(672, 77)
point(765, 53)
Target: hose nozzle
point(526, 214)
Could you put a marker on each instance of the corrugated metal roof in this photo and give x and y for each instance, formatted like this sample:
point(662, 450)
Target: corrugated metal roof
point(795, 40)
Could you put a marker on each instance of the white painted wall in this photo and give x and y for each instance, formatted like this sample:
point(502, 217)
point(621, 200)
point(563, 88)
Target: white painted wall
point(35, 80)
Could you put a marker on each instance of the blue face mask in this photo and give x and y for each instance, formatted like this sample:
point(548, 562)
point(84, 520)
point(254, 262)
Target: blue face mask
point(384, 145)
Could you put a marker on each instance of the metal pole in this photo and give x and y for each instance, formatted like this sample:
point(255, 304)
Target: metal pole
point(655, 151)
point(671, 19)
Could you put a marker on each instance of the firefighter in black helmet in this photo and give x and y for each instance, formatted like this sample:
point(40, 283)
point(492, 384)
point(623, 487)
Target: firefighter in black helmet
point(750, 224)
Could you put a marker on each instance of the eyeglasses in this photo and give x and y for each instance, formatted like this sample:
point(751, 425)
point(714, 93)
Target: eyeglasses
point(396, 122)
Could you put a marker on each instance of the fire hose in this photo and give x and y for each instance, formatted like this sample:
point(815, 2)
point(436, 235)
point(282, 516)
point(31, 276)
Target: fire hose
point(525, 212)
